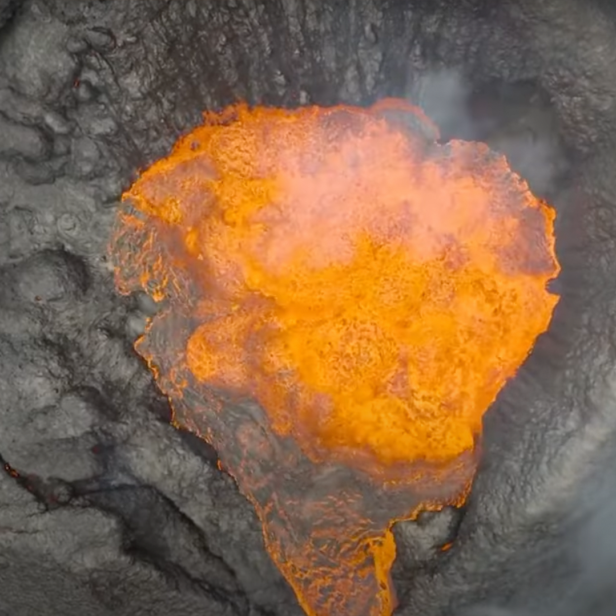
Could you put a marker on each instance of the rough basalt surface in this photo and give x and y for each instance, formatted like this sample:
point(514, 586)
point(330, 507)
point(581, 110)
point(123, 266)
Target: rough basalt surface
point(104, 507)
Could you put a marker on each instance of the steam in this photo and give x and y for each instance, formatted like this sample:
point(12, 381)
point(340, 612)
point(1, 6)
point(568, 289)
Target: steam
point(588, 545)
point(596, 552)
point(514, 121)
point(443, 95)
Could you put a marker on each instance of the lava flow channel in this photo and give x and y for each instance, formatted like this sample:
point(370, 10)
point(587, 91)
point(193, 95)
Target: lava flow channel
point(342, 300)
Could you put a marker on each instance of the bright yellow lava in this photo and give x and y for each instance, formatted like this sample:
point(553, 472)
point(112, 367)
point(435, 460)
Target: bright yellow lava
point(372, 290)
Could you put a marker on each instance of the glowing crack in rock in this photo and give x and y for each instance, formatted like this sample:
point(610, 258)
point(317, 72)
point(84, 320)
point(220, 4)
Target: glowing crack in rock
point(343, 300)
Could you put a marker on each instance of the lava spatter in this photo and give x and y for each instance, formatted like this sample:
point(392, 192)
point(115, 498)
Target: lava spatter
point(344, 299)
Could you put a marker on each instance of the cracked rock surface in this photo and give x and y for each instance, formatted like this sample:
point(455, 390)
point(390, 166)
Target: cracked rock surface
point(104, 507)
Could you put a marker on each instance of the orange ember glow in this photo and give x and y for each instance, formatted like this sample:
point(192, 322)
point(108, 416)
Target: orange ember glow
point(343, 300)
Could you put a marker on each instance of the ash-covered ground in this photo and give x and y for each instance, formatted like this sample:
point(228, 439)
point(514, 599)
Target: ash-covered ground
point(104, 507)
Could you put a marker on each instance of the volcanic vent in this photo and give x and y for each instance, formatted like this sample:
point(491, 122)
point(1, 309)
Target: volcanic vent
point(370, 289)
point(337, 411)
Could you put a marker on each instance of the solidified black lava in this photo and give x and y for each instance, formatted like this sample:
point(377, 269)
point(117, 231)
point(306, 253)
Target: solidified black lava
point(104, 507)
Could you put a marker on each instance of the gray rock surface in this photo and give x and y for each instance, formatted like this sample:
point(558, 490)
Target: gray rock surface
point(104, 507)
point(7, 10)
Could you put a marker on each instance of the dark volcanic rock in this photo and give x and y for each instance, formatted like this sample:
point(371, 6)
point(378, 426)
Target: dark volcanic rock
point(73, 560)
point(34, 59)
point(47, 276)
point(7, 10)
point(22, 141)
point(85, 157)
point(105, 508)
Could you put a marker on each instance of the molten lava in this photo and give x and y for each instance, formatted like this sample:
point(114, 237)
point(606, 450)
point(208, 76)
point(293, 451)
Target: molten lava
point(371, 290)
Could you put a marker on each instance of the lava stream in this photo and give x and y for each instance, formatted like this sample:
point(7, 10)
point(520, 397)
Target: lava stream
point(343, 300)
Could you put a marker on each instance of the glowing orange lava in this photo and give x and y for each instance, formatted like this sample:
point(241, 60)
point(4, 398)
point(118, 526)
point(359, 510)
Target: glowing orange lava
point(371, 290)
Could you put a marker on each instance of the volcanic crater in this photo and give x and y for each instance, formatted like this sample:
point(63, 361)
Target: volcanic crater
point(117, 496)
